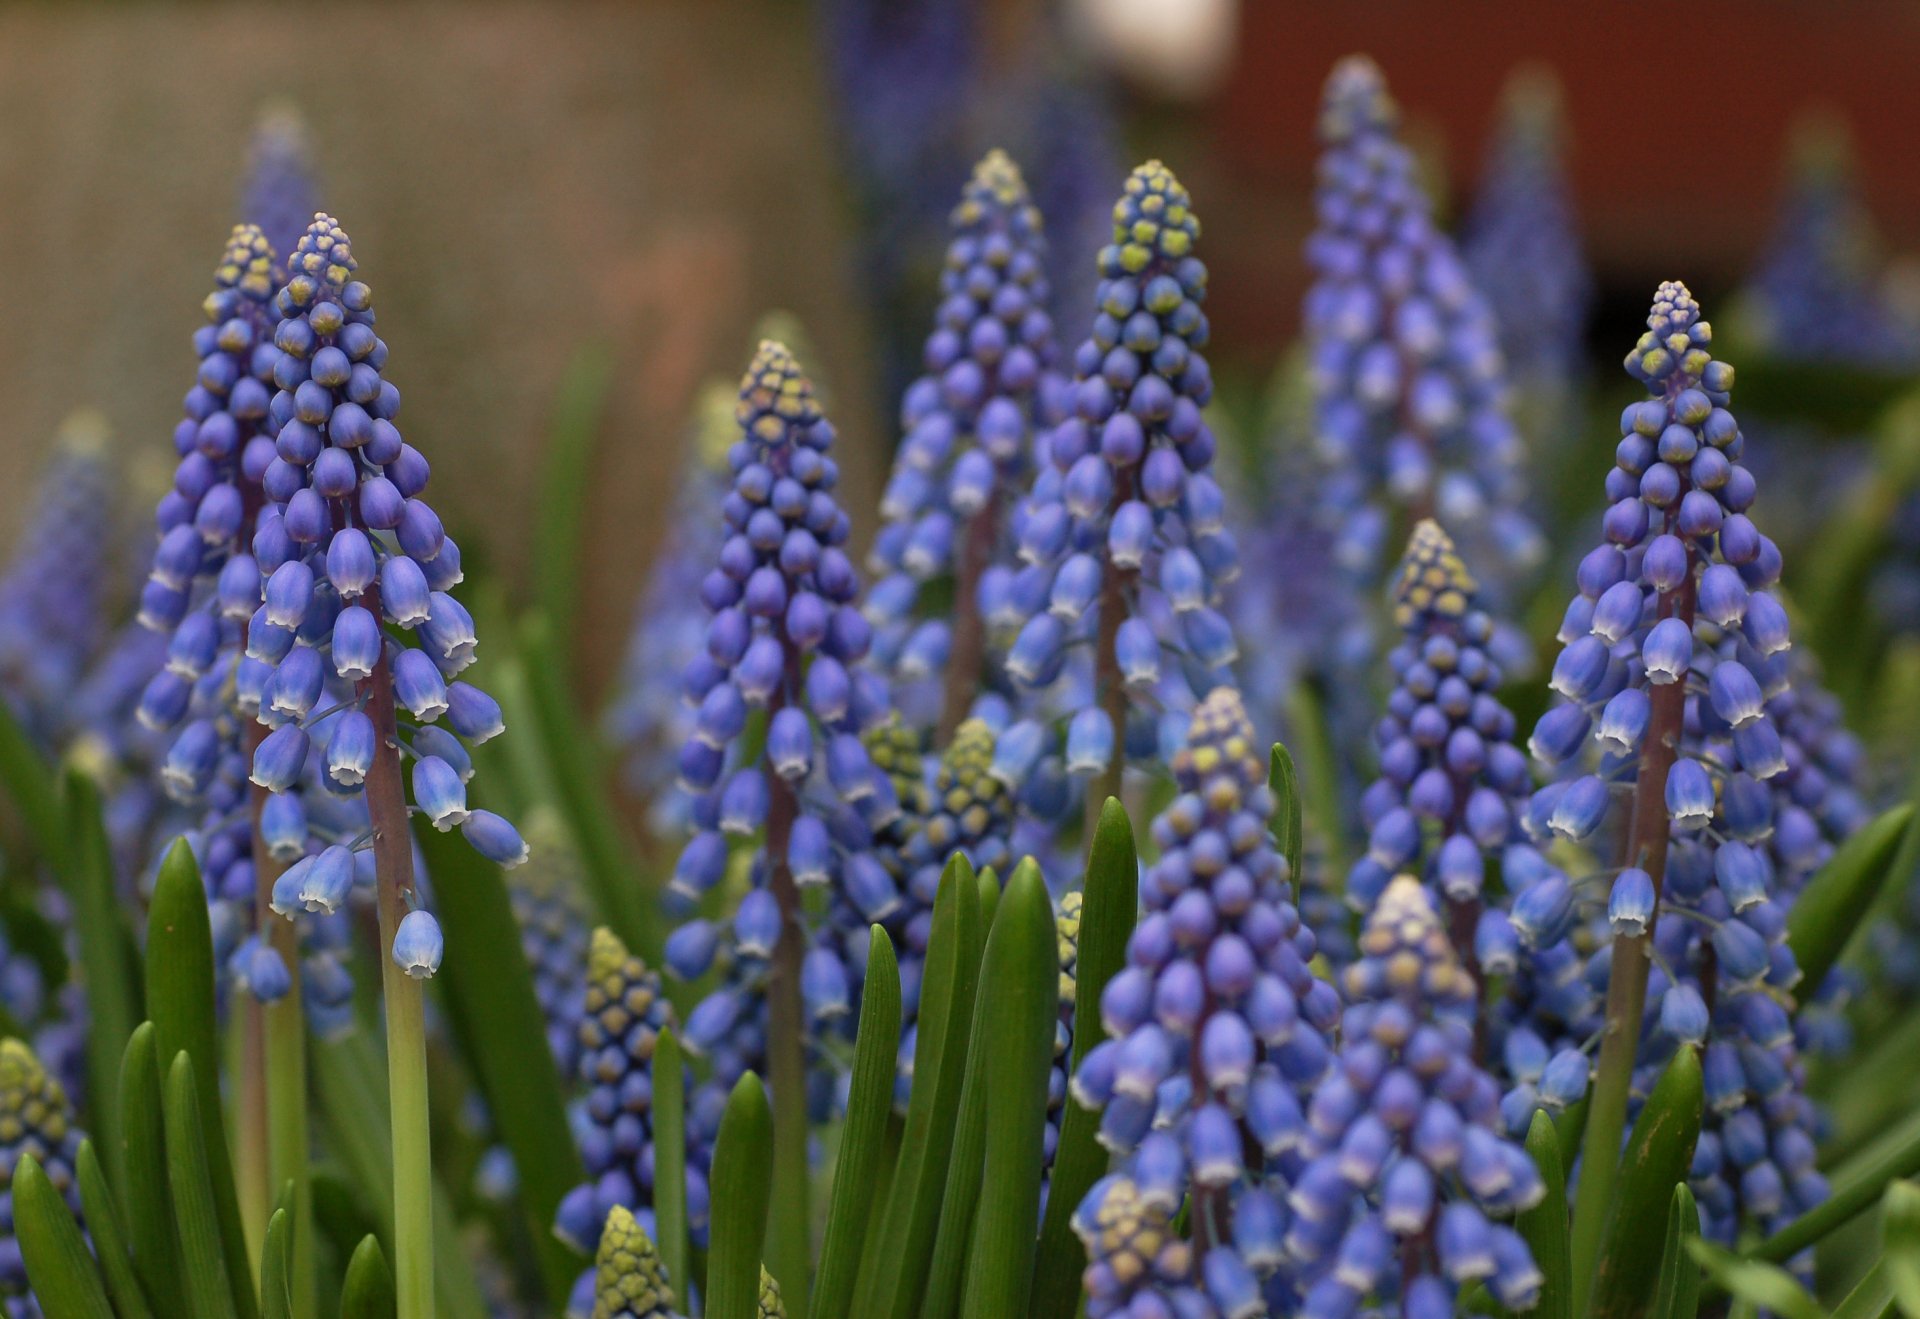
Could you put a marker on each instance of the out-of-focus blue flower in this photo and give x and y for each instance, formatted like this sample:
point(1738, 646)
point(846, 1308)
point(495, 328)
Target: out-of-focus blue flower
point(1405, 1163)
point(1521, 244)
point(346, 545)
point(968, 426)
point(552, 914)
point(1215, 1033)
point(628, 1281)
point(1409, 382)
point(624, 1012)
point(36, 1119)
point(1137, 1263)
point(280, 191)
point(54, 591)
point(1819, 293)
point(1677, 640)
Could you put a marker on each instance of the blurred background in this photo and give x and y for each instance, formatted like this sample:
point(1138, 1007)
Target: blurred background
point(620, 191)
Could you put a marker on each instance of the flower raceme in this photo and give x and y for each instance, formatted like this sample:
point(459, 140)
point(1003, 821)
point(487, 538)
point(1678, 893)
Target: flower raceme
point(347, 549)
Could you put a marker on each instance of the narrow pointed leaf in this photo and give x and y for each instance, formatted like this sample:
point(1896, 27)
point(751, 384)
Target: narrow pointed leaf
point(31, 784)
point(742, 1187)
point(966, 1155)
point(1900, 1237)
point(989, 899)
point(156, 1247)
point(566, 486)
point(1319, 777)
point(1108, 908)
point(1828, 911)
point(276, 1263)
point(180, 1002)
point(1020, 981)
point(368, 1291)
point(1766, 1286)
point(1658, 1156)
point(108, 955)
point(1676, 1292)
point(869, 1104)
point(210, 1289)
point(59, 1266)
point(1545, 1225)
point(670, 1158)
point(1870, 1298)
point(1287, 821)
point(948, 984)
point(486, 977)
point(105, 1226)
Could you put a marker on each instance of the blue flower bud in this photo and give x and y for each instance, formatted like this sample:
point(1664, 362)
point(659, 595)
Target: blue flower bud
point(790, 743)
point(417, 945)
point(439, 793)
point(810, 852)
point(1689, 795)
point(1542, 911)
point(1036, 651)
point(743, 803)
point(1579, 810)
point(1089, 741)
point(823, 985)
point(1683, 1014)
point(472, 713)
point(1623, 722)
point(448, 633)
point(1630, 903)
point(1742, 950)
point(279, 758)
point(327, 882)
point(418, 686)
point(1076, 586)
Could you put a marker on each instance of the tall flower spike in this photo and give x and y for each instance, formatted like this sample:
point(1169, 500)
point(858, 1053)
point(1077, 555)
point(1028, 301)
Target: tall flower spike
point(35, 1119)
point(280, 192)
point(968, 424)
point(622, 1020)
point(204, 585)
point(1405, 1162)
point(1215, 1032)
point(350, 549)
point(1670, 649)
point(1123, 527)
point(1521, 245)
point(1451, 793)
point(54, 588)
point(1410, 387)
point(628, 1280)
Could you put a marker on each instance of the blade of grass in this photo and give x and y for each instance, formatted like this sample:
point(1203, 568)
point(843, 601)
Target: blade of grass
point(108, 957)
point(180, 1000)
point(1108, 907)
point(156, 1247)
point(1837, 899)
point(670, 1159)
point(1676, 1292)
point(59, 1266)
point(742, 1187)
point(276, 1263)
point(368, 1293)
point(210, 1288)
point(1658, 1155)
point(869, 1103)
point(566, 488)
point(1544, 1226)
point(104, 1225)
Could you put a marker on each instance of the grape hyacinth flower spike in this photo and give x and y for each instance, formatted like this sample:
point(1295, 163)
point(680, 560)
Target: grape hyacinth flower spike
point(347, 550)
point(550, 908)
point(1216, 1032)
point(1410, 387)
point(622, 1017)
point(1125, 522)
point(1405, 1163)
point(35, 1119)
point(968, 425)
point(786, 637)
point(1670, 651)
point(627, 1281)
point(280, 192)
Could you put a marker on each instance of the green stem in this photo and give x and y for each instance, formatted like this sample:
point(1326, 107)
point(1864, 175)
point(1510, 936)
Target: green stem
point(789, 1233)
point(277, 1039)
point(1110, 686)
point(1647, 839)
point(969, 649)
point(406, 1013)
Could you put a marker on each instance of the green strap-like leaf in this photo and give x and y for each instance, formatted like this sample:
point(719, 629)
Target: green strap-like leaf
point(486, 978)
point(566, 487)
point(1900, 1238)
point(1676, 1293)
point(59, 1266)
point(1832, 906)
point(948, 984)
point(210, 1289)
point(108, 956)
point(1766, 1286)
point(1658, 1156)
point(32, 786)
point(1020, 982)
point(368, 1291)
point(104, 1224)
point(869, 1103)
point(966, 1154)
point(276, 1264)
point(1287, 824)
point(670, 1159)
point(1108, 908)
point(1319, 777)
point(1544, 1226)
point(156, 1247)
point(180, 1001)
point(742, 1189)
point(1870, 1298)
